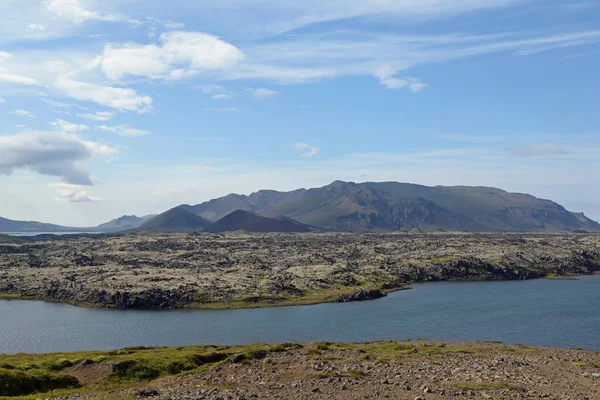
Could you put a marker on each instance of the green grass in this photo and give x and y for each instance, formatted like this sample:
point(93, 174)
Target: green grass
point(25, 374)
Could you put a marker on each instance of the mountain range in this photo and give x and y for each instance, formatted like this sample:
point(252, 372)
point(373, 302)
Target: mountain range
point(353, 207)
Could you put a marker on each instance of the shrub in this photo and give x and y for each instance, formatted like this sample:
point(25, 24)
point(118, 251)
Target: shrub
point(256, 354)
point(323, 346)
point(209, 358)
point(284, 347)
point(238, 358)
point(57, 365)
point(19, 383)
point(133, 371)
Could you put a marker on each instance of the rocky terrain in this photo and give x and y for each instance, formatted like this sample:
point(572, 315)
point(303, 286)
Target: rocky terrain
point(251, 270)
point(411, 370)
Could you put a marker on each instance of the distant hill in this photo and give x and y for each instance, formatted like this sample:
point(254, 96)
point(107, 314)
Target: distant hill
point(177, 219)
point(392, 206)
point(248, 221)
point(10, 226)
point(124, 223)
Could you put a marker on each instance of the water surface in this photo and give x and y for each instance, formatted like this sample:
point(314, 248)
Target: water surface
point(537, 313)
point(23, 234)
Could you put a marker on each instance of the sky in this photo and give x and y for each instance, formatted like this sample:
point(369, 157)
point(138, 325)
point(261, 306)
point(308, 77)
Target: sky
point(121, 107)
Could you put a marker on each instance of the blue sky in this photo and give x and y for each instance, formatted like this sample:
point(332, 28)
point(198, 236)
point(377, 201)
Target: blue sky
point(132, 107)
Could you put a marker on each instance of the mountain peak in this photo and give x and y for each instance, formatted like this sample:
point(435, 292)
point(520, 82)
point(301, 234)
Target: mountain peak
point(177, 219)
point(251, 222)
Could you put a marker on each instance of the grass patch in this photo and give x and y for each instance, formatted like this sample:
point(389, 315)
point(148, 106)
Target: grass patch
point(26, 374)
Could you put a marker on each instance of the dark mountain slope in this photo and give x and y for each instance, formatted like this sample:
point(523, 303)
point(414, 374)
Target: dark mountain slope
point(244, 220)
point(176, 219)
point(389, 206)
point(590, 224)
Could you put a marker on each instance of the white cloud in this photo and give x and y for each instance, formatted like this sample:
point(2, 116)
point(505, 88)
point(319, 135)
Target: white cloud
point(309, 151)
point(2, 100)
point(220, 109)
point(98, 116)
point(55, 154)
point(65, 126)
point(181, 54)
point(123, 130)
point(262, 93)
point(223, 96)
point(22, 113)
point(125, 99)
point(73, 193)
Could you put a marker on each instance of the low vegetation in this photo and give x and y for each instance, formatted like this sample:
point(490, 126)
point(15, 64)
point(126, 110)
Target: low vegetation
point(353, 370)
point(24, 374)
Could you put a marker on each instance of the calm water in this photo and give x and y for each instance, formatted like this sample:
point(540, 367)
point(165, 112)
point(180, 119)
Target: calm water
point(541, 312)
point(45, 233)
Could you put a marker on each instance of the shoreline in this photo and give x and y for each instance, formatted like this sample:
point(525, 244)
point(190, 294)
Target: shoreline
point(262, 270)
point(291, 302)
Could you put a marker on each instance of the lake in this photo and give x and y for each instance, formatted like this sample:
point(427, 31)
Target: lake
point(536, 313)
point(23, 234)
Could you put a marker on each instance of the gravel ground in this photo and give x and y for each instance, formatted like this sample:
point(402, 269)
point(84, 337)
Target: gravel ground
point(420, 369)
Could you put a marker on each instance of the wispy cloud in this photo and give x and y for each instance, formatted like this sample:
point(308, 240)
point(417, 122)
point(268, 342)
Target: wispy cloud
point(22, 113)
point(542, 150)
point(220, 110)
point(65, 126)
point(98, 116)
point(123, 130)
point(125, 99)
point(16, 79)
point(74, 11)
point(2, 100)
point(308, 150)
